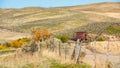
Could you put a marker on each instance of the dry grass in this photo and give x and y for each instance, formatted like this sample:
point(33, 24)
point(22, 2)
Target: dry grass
point(101, 47)
point(57, 19)
point(37, 60)
point(98, 7)
point(7, 35)
point(54, 19)
point(18, 59)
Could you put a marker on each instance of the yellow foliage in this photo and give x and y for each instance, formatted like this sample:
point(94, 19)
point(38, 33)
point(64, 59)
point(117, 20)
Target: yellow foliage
point(40, 34)
point(3, 47)
point(16, 43)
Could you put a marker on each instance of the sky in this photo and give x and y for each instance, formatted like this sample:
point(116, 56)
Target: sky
point(47, 3)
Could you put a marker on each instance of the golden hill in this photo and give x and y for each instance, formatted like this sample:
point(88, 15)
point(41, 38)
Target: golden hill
point(98, 7)
point(59, 19)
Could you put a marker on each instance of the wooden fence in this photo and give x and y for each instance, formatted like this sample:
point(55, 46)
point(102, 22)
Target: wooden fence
point(73, 51)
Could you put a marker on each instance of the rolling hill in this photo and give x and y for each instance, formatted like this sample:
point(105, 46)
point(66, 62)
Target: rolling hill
point(98, 7)
point(61, 19)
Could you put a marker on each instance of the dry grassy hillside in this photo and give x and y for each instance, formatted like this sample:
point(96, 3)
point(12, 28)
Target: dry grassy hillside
point(98, 7)
point(60, 19)
point(6, 35)
point(92, 18)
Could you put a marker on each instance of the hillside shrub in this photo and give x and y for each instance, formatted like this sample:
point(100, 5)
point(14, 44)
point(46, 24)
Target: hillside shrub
point(14, 43)
point(40, 34)
point(7, 44)
point(7, 51)
point(27, 40)
point(101, 39)
point(3, 47)
point(63, 38)
point(113, 29)
point(17, 43)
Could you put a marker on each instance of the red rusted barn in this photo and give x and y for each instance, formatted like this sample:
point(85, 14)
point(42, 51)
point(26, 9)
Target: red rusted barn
point(83, 36)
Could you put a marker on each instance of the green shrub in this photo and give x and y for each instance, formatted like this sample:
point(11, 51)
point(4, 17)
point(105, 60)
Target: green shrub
point(63, 38)
point(113, 29)
point(25, 39)
point(101, 39)
point(6, 51)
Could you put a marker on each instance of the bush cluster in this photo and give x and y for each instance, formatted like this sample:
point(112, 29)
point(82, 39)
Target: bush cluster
point(19, 43)
point(37, 35)
point(40, 34)
point(14, 43)
point(63, 38)
point(3, 47)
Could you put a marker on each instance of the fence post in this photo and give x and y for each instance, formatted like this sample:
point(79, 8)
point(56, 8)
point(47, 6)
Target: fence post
point(52, 43)
point(59, 48)
point(80, 50)
point(65, 51)
point(76, 52)
point(95, 53)
point(107, 54)
point(39, 47)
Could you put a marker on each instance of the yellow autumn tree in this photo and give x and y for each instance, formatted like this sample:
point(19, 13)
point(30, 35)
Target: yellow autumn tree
point(40, 34)
point(45, 33)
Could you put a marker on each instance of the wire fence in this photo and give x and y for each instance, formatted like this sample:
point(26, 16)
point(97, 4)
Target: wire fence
point(76, 51)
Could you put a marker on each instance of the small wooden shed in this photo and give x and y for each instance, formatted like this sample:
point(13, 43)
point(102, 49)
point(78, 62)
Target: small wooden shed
point(83, 36)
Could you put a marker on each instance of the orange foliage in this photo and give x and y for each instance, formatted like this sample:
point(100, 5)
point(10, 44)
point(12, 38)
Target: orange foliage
point(40, 34)
point(46, 33)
